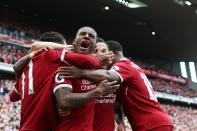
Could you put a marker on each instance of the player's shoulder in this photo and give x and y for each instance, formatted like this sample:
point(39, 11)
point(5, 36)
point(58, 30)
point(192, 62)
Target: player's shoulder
point(123, 61)
point(53, 54)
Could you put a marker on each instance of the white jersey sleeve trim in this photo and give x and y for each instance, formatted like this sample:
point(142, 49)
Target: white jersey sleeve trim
point(62, 86)
point(63, 56)
point(16, 91)
point(121, 79)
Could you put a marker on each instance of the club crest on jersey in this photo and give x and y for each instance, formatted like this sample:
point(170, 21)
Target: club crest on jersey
point(58, 79)
point(115, 68)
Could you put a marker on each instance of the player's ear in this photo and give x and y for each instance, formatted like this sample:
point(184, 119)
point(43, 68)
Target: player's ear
point(74, 42)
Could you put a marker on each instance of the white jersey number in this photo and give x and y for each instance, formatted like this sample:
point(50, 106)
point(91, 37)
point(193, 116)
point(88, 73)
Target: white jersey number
point(30, 78)
point(149, 87)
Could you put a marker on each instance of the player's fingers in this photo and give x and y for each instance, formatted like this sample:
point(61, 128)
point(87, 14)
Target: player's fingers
point(68, 77)
point(115, 87)
point(64, 68)
point(64, 74)
point(69, 46)
point(104, 81)
point(112, 83)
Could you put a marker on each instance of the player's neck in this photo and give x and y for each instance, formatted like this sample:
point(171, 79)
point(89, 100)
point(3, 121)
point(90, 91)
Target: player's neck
point(119, 56)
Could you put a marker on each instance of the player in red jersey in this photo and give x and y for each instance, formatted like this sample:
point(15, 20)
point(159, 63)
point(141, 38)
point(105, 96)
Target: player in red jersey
point(81, 111)
point(104, 112)
point(135, 93)
point(35, 116)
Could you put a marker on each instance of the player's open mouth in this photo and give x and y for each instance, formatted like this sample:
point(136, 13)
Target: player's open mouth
point(84, 45)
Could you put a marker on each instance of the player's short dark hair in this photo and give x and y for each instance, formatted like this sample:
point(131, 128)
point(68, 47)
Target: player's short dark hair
point(53, 37)
point(114, 46)
point(99, 39)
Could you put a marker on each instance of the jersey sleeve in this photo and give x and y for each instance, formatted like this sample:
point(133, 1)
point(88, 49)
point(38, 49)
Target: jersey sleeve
point(81, 60)
point(61, 83)
point(14, 94)
point(122, 70)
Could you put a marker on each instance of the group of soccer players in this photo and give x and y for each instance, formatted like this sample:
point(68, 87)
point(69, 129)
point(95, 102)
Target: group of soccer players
point(79, 87)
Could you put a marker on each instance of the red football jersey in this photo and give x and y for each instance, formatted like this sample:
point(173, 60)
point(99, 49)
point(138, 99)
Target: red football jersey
point(80, 118)
point(38, 112)
point(104, 113)
point(137, 97)
point(36, 89)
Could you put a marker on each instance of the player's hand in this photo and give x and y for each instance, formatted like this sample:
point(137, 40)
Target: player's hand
point(62, 112)
point(106, 58)
point(69, 48)
point(106, 88)
point(69, 72)
point(121, 127)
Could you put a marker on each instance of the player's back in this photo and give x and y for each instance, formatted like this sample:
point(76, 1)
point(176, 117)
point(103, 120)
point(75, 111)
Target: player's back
point(138, 98)
point(38, 106)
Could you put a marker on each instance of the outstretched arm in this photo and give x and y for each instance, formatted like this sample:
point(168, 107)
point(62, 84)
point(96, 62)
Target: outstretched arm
point(87, 61)
point(73, 72)
point(69, 100)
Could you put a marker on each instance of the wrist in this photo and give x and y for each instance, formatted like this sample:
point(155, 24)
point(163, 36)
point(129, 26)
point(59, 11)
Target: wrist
point(94, 93)
point(31, 55)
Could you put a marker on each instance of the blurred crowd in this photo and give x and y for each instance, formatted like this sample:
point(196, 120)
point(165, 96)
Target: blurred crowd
point(184, 117)
point(144, 65)
point(10, 54)
point(171, 87)
point(16, 26)
point(9, 112)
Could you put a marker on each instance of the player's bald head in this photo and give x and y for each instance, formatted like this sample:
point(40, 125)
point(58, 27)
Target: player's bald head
point(87, 29)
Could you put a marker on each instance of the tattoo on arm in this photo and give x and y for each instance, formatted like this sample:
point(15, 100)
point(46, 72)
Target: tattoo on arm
point(69, 100)
point(20, 65)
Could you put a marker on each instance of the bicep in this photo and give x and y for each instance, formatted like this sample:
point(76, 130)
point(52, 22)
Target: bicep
point(61, 88)
point(113, 76)
point(61, 93)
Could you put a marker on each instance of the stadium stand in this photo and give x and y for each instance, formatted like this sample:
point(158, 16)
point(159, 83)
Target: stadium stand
point(11, 53)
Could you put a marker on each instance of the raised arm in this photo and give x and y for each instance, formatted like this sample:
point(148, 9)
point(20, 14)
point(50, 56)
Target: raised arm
point(38, 45)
